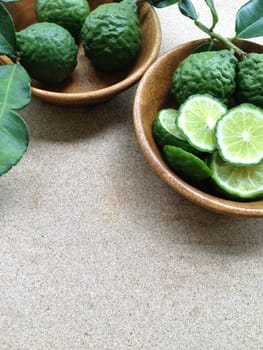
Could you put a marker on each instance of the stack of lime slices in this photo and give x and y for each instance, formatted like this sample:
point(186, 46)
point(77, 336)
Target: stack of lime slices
point(206, 142)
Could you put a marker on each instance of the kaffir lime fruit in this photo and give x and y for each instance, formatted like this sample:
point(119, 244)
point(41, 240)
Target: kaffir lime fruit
point(130, 4)
point(211, 72)
point(250, 79)
point(111, 36)
point(47, 51)
point(70, 14)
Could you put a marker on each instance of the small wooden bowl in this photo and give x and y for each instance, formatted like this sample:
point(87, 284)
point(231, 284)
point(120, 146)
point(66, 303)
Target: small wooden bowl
point(87, 85)
point(153, 93)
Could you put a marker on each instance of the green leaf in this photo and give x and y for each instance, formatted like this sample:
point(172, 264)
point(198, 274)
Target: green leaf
point(13, 139)
point(15, 92)
point(186, 7)
point(210, 4)
point(162, 3)
point(10, 0)
point(249, 20)
point(7, 34)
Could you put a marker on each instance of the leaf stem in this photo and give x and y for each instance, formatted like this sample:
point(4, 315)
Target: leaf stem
point(228, 44)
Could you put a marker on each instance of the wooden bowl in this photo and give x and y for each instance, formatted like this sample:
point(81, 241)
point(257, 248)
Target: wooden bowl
point(153, 93)
point(87, 85)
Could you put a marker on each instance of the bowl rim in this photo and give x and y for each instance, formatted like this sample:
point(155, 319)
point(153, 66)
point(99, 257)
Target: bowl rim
point(111, 90)
point(205, 200)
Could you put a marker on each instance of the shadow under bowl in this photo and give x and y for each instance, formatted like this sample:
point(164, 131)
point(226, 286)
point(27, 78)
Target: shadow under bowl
point(153, 94)
point(88, 85)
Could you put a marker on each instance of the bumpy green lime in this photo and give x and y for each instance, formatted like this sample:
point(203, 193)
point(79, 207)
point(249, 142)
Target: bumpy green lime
point(111, 36)
point(211, 72)
point(70, 14)
point(250, 79)
point(47, 51)
point(130, 4)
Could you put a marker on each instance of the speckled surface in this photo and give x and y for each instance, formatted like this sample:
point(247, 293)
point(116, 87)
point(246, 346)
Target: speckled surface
point(97, 253)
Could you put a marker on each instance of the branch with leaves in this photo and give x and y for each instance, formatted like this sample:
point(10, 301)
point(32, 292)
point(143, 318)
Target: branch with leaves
point(248, 21)
point(15, 94)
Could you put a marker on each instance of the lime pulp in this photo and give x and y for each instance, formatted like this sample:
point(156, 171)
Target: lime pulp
point(241, 182)
point(239, 135)
point(197, 119)
point(166, 132)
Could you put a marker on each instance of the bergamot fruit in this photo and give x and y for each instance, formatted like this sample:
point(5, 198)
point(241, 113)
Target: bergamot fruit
point(250, 79)
point(111, 36)
point(47, 51)
point(70, 14)
point(211, 72)
point(131, 4)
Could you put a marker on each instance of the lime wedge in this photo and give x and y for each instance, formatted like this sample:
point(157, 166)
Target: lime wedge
point(240, 135)
point(241, 182)
point(197, 119)
point(166, 132)
point(186, 164)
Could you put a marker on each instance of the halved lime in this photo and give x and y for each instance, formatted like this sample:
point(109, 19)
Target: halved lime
point(240, 135)
point(166, 132)
point(243, 182)
point(186, 164)
point(197, 119)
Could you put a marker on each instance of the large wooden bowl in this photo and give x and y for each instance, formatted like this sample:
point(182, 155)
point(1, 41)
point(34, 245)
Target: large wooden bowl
point(88, 85)
point(153, 93)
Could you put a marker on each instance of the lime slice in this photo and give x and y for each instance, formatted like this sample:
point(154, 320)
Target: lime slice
point(164, 127)
point(240, 135)
point(166, 132)
point(186, 164)
point(197, 119)
point(243, 182)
